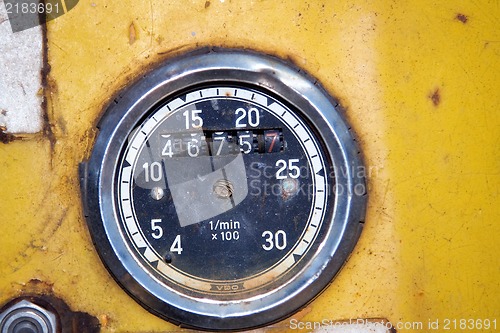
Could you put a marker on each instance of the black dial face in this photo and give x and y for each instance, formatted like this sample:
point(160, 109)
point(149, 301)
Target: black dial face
point(222, 190)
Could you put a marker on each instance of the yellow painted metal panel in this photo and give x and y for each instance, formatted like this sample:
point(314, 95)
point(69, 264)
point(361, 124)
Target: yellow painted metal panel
point(419, 83)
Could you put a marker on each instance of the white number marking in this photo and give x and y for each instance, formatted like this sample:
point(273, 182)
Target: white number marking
point(253, 117)
point(193, 147)
point(193, 119)
point(255, 120)
point(176, 245)
point(240, 118)
point(228, 235)
point(280, 240)
point(279, 174)
point(293, 170)
point(157, 230)
point(222, 140)
point(276, 240)
point(245, 143)
point(152, 172)
point(269, 240)
point(167, 150)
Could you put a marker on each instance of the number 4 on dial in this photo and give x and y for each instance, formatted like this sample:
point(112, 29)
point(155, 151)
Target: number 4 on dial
point(176, 245)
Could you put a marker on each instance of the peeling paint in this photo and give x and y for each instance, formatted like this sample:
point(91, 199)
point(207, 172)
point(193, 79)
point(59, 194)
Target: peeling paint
point(6, 137)
point(132, 33)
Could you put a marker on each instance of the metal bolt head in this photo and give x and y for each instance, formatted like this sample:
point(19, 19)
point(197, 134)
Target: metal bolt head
point(223, 189)
point(157, 193)
point(27, 317)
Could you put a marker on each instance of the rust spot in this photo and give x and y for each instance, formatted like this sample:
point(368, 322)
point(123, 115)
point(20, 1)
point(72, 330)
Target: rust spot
point(36, 286)
point(41, 293)
point(47, 89)
point(52, 85)
point(132, 33)
point(462, 18)
point(207, 4)
point(435, 97)
point(104, 319)
point(82, 322)
point(6, 137)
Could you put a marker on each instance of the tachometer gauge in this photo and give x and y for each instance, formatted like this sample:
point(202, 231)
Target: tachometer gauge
point(222, 191)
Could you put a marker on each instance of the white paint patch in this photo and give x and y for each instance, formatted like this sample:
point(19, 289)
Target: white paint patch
point(21, 61)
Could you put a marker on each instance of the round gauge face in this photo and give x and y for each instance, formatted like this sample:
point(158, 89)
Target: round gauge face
point(221, 197)
point(222, 191)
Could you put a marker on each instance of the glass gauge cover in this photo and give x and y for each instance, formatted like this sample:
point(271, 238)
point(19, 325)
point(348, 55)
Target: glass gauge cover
point(222, 191)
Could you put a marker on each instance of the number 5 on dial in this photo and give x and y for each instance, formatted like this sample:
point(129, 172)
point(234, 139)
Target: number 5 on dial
point(157, 230)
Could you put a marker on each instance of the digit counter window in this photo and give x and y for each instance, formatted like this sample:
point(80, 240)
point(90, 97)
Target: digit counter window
point(221, 191)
